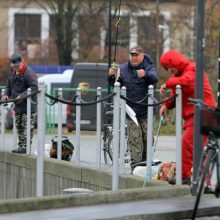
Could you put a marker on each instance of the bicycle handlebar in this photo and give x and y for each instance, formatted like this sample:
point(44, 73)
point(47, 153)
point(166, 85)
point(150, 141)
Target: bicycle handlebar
point(196, 102)
point(200, 104)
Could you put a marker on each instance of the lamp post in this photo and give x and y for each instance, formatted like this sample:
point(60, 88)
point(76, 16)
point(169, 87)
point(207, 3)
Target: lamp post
point(198, 88)
point(157, 35)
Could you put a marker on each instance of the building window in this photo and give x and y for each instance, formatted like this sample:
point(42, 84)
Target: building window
point(28, 34)
point(27, 26)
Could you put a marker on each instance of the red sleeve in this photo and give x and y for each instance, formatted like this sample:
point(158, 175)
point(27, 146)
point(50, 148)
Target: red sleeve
point(171, 102)
point(186, 80)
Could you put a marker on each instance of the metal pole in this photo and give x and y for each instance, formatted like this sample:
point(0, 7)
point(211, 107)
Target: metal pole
point(110, 34)
point(157, 34)
point(98, 129)
point(14, 130)
point(178, 135)
point(59, 147)
point(41, 140)
point(109, 41)
point(116, 101)
point(122, 130)
point(198, 89)
point(2, 122)
point(78, 118)
point(150, 116)
point(219, 69)
point(28, 122)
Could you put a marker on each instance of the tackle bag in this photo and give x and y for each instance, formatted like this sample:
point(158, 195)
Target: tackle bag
point(67, 148)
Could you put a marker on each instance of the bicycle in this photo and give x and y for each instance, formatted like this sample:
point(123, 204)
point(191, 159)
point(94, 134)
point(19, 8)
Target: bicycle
point(210, 126)
point(108, 139)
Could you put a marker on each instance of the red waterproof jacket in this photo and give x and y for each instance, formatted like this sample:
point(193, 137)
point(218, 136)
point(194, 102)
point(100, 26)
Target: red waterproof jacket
point(186, 79)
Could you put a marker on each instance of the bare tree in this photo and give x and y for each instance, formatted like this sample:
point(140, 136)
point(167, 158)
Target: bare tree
point(62, 13)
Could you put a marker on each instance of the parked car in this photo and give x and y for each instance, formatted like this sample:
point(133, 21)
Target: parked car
point(53, 82)
point(87, 76)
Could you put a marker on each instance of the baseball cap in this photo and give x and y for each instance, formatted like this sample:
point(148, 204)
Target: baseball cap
point(15, 60)
point(136, 49)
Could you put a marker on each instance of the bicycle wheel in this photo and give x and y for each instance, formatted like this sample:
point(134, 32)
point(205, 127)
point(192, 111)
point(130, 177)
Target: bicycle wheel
point(126, 148)
point(110, 147)
point(107, 137)
point(205, 168)
point(127, 151)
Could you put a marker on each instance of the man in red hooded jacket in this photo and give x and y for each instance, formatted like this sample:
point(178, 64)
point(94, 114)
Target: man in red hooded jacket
point(183, 73)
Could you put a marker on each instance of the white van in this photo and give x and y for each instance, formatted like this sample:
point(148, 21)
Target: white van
point(52, 83)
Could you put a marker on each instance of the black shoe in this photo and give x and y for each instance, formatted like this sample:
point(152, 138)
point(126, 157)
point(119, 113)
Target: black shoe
point(20, 150)
point(209, 190)
point(186, 181)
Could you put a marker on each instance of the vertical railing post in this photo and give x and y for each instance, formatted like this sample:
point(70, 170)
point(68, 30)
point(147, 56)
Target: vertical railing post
point(150, 116)
point(2, 122)
point(59, 129)
point(98, 129)
point(178, 135)
point(14, 130)
point(122, 130)
point(116, 101)
point(41, 140)
point(78, 119)
point(28, 122)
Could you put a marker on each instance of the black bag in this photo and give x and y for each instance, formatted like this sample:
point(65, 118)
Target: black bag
point(67, 148)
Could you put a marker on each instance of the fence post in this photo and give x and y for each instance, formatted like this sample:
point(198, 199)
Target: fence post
point(2, 121)
point(14, 130)
point(41, 140)
point(98, 129)
point(150, 115)
point(116, 103)
point(122, 130)
point(28, 122)
point(78, 119)
point(59, 129)
point(178, 135)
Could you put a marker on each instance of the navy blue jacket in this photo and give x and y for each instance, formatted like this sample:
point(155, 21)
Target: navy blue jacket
point(137, 87)
point(18, 85)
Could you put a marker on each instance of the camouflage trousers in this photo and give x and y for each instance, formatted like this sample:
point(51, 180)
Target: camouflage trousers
point(137, 140)
point(21, 125)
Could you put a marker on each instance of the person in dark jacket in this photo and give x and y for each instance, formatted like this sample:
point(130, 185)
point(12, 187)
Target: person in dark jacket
point(136, 75)
point(20, 78)
point(183, 73)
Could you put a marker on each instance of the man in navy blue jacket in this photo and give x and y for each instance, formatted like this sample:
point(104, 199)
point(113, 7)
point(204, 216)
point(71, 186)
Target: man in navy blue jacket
point(136, 75)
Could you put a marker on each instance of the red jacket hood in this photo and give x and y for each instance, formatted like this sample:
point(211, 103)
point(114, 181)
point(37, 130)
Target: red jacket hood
point(174, 59)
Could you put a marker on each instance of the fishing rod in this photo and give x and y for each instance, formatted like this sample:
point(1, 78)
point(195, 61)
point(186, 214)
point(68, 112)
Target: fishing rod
point(117, 25)
point(116, 35)
point(114, 64)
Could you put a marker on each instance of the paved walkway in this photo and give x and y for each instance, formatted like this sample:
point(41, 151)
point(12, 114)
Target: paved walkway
point(165, 149)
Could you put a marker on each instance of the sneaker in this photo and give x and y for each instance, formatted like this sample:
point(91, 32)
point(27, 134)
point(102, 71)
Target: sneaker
point(20, 150)
point(186, 181)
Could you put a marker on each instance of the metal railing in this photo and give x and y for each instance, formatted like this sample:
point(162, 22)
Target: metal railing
point(119, 101)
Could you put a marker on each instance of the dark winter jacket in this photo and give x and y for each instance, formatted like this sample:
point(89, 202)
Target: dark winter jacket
point(137, 87)
point(17, 85)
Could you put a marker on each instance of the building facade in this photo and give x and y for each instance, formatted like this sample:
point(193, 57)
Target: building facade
point(27, 28)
